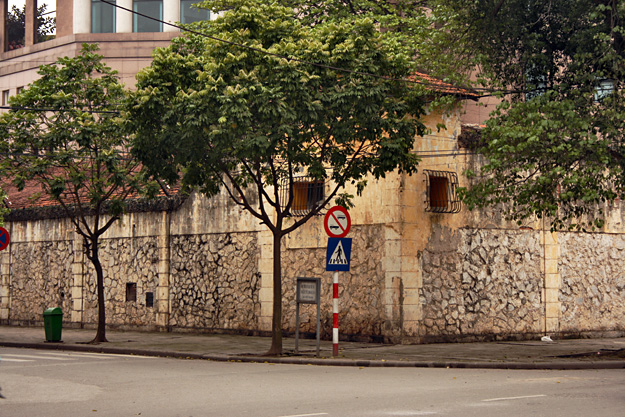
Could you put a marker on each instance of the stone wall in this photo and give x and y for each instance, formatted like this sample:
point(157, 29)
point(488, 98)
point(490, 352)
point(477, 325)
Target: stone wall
point(124, 261)
point(361, 290)
point(40, 279)
point(592, 294)
point(461, 284)
point(481, 284)
point(214, 281)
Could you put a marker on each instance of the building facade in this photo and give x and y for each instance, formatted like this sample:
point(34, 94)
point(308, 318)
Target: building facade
point(423, 268)
point(126, 39)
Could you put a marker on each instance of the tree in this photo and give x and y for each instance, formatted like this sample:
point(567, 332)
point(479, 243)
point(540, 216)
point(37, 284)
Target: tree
point(554, 148)
point(250, 115)
point(3, 209)
point(64, 134)
point(430, 31)
point(16, 26)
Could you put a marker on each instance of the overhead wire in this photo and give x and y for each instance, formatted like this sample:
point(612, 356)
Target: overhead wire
point(57, 110)
point(288, 58)
point(426, 154)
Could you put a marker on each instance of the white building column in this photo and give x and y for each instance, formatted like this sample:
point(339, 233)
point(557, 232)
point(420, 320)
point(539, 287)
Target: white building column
point(123, 18)
point(82, 16)
point(171, 14)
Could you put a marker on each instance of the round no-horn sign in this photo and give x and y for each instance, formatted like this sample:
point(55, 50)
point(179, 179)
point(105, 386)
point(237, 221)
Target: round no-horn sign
point(4, 238)
point(337, 222)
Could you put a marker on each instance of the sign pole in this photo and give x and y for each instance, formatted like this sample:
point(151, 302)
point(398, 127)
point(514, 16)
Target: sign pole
point(307, 291)
point(319, 319)
point(297, 327)
point(335, 313)
point(337, 223)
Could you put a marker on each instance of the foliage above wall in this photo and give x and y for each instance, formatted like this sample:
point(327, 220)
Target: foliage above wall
point(64, 135)
point(555, 148)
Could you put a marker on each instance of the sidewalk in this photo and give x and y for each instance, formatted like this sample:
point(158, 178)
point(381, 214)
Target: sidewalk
point(559, 354)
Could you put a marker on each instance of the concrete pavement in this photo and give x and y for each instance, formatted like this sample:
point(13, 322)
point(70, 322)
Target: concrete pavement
point(559, 354)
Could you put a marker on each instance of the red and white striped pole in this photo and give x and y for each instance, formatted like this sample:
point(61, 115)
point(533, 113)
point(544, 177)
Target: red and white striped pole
point(335, 313)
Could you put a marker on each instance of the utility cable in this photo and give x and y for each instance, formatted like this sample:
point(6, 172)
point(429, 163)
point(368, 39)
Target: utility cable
point(59, 110)
point(288, 58)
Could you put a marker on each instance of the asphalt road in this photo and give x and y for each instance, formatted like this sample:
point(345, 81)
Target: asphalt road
point(55, 384)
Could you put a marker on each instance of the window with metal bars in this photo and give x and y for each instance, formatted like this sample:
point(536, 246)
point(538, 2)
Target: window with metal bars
point(441, 192)
point(307, 194)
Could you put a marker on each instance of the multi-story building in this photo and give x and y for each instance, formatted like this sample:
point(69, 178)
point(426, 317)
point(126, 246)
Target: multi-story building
point(126, 39)
point(423, 268)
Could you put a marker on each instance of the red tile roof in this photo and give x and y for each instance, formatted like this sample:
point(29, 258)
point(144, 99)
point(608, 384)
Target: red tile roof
point(443, 87)
point(33, 202)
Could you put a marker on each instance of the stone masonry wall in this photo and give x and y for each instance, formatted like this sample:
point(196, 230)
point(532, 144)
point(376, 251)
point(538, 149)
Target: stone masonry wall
point(592, 291)
point(40, 279)
point(124, 261)
point(215, 282)
point(361, 311)
point(475, 284)
point(481, 284)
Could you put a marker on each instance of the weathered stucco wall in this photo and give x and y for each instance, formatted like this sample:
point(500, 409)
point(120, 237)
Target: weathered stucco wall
point(473, 284)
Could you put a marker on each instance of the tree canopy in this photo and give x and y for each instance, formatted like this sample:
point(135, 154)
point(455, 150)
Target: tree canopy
point(64, 135)
point(3, 208)
point(554, 148)
point(258, 103)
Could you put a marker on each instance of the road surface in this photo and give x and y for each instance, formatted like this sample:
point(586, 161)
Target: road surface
point(66, 384)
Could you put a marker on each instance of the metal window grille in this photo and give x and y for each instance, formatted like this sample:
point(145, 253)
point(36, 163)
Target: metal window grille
point(441, 194)
point(307, 194)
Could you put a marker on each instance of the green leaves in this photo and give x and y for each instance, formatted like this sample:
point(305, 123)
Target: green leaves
point(554, 148)
point(71, 141)
point(552, 159)
point(282, 100)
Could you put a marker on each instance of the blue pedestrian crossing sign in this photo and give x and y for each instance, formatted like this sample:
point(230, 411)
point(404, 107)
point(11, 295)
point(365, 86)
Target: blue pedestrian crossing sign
point(339, 254)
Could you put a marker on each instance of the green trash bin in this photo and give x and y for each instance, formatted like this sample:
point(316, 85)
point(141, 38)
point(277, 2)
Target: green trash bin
point(53, 324)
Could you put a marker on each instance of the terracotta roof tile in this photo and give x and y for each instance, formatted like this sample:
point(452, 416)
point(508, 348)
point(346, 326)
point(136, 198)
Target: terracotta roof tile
point(444, 87)
point(33, 197)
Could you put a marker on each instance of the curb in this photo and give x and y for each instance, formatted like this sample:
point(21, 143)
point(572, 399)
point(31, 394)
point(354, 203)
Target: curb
point(551, 365)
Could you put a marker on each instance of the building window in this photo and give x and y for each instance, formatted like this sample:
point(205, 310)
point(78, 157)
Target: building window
point(536, 79)
point(131, 291)
point(308, 193)
point(190, 14)
point(441, 192)
point(151, 8)
point(604, 89)
point(5, 98)
point(102, 17)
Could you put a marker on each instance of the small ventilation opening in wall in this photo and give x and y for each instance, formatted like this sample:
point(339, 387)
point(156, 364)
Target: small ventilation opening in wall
point(149, 299)
point(131, 291)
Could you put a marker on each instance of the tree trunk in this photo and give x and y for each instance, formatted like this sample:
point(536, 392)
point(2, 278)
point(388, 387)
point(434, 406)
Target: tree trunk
point(276, 322)
point(95, 260)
